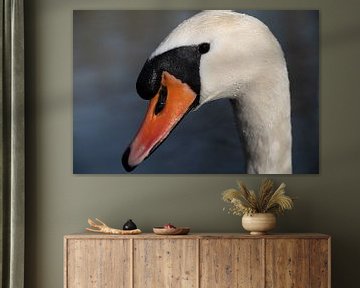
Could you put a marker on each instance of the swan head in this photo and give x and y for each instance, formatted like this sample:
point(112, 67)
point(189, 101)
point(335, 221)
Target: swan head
point(212, 55)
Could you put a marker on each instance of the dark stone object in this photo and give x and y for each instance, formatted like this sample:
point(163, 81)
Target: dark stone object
point(129, 225)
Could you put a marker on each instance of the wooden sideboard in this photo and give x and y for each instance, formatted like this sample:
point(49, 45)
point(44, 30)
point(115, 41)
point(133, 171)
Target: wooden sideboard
point(197, 260)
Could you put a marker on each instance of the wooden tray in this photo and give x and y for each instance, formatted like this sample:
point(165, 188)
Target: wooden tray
point(171, 231)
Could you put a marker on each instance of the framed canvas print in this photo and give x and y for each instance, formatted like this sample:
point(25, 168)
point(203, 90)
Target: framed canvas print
point(196, 92)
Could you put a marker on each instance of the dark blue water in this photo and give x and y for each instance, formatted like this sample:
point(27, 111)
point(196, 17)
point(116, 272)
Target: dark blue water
point(110, 48)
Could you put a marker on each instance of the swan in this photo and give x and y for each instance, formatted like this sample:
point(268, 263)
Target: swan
point(213, 55)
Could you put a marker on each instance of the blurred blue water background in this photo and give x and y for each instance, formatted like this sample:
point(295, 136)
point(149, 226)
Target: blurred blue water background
point(110, 48)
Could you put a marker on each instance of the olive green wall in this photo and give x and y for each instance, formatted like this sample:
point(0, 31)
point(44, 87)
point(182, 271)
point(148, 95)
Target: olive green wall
point(59, 202)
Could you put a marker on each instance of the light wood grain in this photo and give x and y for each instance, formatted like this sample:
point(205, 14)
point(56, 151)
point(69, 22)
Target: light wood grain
point(287, 263)
point(98, 263)
point(88, 235)
point(165, 263)
point(204, 260)
point(319, 263)
point(231, 263)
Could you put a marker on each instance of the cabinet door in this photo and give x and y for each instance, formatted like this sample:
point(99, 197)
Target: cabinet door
point(98, 263)
point(231, 263)
point(320, 263)
point(287, 263)
point(165, 263)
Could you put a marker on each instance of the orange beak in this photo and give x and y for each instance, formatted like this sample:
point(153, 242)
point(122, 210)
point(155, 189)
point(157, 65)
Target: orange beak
point(173, 100)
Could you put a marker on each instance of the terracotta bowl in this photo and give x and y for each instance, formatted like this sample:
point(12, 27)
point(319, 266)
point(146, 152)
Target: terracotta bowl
point(171, 231)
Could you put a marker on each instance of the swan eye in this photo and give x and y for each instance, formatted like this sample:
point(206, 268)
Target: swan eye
point(204, 48)
point(162, 100)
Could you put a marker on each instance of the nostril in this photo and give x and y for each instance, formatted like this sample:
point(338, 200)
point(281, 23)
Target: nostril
point(162, 100)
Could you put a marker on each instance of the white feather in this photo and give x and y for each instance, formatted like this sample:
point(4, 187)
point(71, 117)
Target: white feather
point(245, 63)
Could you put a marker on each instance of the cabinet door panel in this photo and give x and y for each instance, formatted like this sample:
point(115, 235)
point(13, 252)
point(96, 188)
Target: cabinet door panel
point(231, 263)
point(98, 263)
point(165, 263)
point(319, 263)
point(287, 263)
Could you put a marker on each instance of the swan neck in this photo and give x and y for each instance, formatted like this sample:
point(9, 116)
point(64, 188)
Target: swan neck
point(264, 126)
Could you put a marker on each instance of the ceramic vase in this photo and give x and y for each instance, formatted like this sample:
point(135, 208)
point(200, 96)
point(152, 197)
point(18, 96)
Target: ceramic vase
point(259, 223)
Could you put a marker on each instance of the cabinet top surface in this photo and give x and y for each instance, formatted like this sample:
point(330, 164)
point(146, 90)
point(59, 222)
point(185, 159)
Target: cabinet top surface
point(86, 235)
